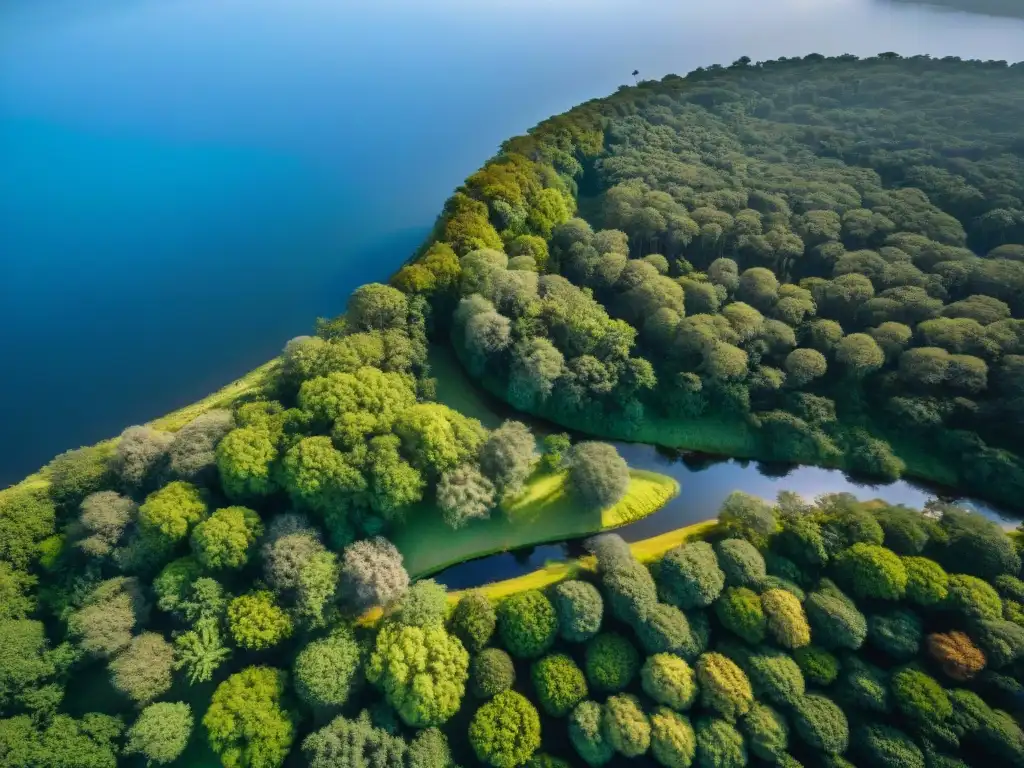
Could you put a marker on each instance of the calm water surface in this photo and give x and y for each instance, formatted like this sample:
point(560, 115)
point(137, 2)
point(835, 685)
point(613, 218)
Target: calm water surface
point(188, 183)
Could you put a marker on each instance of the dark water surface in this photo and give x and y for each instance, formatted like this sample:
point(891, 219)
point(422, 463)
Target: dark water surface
point(186, 184)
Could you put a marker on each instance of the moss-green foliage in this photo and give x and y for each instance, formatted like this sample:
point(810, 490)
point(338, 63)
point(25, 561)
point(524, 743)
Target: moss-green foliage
point(673, 742)
point(766, 731)
point(775, 582)
point(161, 732)
point(689, 576)
point(927, 581)
point(897, 633)
point(247, 723)
point(490, 672)
point(559, 684)
point(821, 724)
point(630, 591)
point(666, 628)
point(1009, 587)
point(73, 475)
point(26, 519)
point(872, 571)
point(787, 622)
point(172, 511)
point(719, 744)
point(580, 608)
point(474, 620)
point(424, 605)
point(863, 686)
point(611, 662)
point(739, 609)
point(257, 622)
point(818, 665)
point(226, 538)
point(527, 624)
point(848, 524)
point(328, 671)
point(505, 731)
point(919, 697)
point(888, 747)
point(975, 545)
point(741, 563)
point(835, 621)
point(1002, 641)
point(541, 760)
point(747, 517)
point(801, 541)
point(974, 598)
point(669, 680)
point(905, 530)
point(724, 687)
point(625, 726)
point(587, 736)
point(774, 675)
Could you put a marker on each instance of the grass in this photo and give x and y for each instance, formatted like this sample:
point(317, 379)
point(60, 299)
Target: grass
point(544, 512)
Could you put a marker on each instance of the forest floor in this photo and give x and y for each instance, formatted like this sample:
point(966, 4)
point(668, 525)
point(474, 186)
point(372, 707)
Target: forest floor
point(544, 512)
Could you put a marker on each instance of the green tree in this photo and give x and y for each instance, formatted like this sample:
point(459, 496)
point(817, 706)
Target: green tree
point(598, 476)
point(611, 662)
point(474, 620)
point(246, 459)
point(161, 732)
point(821, 724)
point(719, 744)
point(173, 511)
point(580, 609)
point(376, 307)
point(328, 671)
point(669, 680)
point(787, 623)
point(505, 731)
point(508, 456)
point(372, 573)
point(142, 671)
point(247, 721)
point(257, 622)
point(225, 539)
point(871, 571)
point(724, 687)
point(559, 684)
point(690, 577)
point(491, 671)
point(527, 624)
point(747, 517)
point(739, 609)
point(464, 495)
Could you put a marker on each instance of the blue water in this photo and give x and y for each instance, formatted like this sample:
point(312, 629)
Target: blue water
point(185, 184)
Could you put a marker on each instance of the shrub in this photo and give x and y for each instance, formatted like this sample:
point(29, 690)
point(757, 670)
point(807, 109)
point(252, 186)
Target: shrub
point(246, 722)
point(835, 622)
point(161, 732)
point(490, 672)
point(747, 517)
point(767, 732)
point(669, 680)
point(817, 665)
point(257, 622)
point(422, 672)
point(689, 576)
point(739, 610)
point(505, 731)
point(871, 571)
point(927, 582)
point(723, 686)
point(1003, 641)
point(597, 474)
point(630, 590)
point(719, 744)
point(863, 686)
point(625, 726)
point(787, 623)
point(774, 582)
point(425, 604)
point(887, 747)
point(142, 671)
point(956, 654)
point(919, 697)
point(774, 675)
point(579, 608)
point(586, 735)
point(664, 628)
point(904, 529)
point(474, 620)
point(974, 598)
point(611, 662)
point(741, 563)
point(897, 633)
point(527, 624)
point(226, 538)
point(673, 742)
point(821, 724)
point(559, 683)
point(328, 671)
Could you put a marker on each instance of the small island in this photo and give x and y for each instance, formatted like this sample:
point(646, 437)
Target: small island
point(813, 261)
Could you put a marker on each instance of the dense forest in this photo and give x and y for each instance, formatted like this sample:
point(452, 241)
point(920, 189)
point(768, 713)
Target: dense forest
point(811, 260)
point(808, 260)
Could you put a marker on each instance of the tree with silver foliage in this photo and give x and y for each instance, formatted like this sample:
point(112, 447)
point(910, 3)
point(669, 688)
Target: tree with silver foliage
point(464, 494)
point(598, 475)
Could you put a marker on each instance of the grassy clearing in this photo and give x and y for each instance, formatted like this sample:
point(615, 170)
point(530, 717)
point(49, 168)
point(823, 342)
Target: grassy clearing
point(544, 512)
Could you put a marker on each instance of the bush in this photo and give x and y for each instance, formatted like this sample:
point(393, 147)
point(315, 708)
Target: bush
point(976, 546)
point(787, 623)
point(422, 672)
point(887, 747)
point(630, 591)
point(665, 628)
point(747, 517)
point(974, 598)
point(897, 633)
point(611, 662)
point(719, 744)
point(741, 563)
point(673, 742)
point(425, 604)
point(689, 576)
point(597, 474)
point(927, 582)
point(490, 672)
point(142, 671)
point(587, 736)
point(959, 658)
point(905, 530)
point(559, 683)
point(774, 582)
point(774, 675)
point(871, 571)
point(723, 686)
point(739, 610)
point(847, 523)
point(863, 686)
point(767, 732)
point(1003, 641)
point(256, 622)
point(474, 620)
point(226, 538)
point(835, 622)
point(802, 542)
point(669, 680)
point(919, 697)
point(505, 731)
point(821, 724)
point(625, 726)
point(246, 722)
point(579, 608)
point(527, 624)
point(161, 732)
point(817, 665)
point(328, 671)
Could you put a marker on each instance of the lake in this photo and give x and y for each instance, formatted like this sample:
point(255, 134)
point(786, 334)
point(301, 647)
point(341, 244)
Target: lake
point(188, 183)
